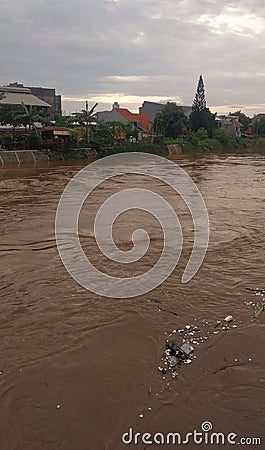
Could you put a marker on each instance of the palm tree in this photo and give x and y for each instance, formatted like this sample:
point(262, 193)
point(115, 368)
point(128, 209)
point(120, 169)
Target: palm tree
point(28, 117)
point(44, 118)
point(86, 116)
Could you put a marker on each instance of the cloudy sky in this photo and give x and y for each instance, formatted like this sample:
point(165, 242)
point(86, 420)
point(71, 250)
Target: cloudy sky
point(135, 50)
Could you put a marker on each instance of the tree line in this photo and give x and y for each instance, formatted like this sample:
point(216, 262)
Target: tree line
point(171, 122)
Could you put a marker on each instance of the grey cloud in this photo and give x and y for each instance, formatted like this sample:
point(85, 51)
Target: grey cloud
point(80, 46)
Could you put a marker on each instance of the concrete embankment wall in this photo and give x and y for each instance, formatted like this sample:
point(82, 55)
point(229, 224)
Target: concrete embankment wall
point(35, 156)
point(23, 157)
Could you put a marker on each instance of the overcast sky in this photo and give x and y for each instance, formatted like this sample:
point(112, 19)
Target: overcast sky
point(135, 50)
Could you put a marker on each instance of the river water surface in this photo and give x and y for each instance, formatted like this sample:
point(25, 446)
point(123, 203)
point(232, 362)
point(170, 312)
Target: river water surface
point(78, 370)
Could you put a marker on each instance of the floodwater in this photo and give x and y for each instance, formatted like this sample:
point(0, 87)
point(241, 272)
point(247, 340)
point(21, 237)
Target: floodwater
point(77, 370)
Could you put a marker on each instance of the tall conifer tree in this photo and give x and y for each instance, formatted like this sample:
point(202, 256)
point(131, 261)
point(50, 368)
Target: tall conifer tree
point(199, 102)
point(201, 116)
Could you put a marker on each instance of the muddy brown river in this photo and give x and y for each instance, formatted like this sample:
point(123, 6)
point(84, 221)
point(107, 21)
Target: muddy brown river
point(81, 372)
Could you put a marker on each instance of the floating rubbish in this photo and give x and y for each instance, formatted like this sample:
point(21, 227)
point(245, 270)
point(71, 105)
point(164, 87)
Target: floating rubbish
point(223, 323)
point(141, 415)
point(187, 361)
point(180, 344)
point(167, 310)
point(172, 361)
point(249, 304)
point(58, 406)
point(259, 311)
point(181, 352)
point(228, 319)
point(258, 305)
point(174, 355)
point(187, 348)
point(256, 291)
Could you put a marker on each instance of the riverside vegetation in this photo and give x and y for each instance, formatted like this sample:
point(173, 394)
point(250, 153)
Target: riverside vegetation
point(200, 132)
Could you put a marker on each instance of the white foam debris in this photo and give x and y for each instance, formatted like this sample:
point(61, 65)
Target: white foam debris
point(228, 319)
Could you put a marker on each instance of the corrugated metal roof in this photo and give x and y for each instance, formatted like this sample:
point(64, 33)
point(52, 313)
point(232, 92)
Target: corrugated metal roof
point(16, 98)
point(20, 89)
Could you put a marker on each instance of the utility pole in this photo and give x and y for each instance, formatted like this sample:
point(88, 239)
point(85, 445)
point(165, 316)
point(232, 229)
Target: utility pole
point(86, 121)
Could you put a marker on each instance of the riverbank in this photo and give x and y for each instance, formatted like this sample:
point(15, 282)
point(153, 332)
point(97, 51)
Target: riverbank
point(237, 145)
point(17, 157)
point(165, 147)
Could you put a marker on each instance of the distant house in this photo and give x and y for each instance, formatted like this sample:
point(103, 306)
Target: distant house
point(258, 117)
point(47, 95)
point(55, 137)
point(231, 124)
point(248, 133)
point(140, 122)
point(258, 124)
point(152, 108)
point(55, 133)
point(18, 95)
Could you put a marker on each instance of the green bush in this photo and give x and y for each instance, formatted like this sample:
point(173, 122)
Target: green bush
point(201, 134)
point(8, 140)
point(33, 141)
point(222, 137)
point(144, 147)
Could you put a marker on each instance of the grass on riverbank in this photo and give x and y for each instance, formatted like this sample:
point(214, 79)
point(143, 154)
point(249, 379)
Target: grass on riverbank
point(187, 145)
point(219, 143)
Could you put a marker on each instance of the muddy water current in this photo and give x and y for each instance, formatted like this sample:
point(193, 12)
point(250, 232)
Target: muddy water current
point(78, 370)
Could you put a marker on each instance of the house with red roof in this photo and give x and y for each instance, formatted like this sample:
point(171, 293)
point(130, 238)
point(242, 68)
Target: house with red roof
point(231, 124)
point(140, 122)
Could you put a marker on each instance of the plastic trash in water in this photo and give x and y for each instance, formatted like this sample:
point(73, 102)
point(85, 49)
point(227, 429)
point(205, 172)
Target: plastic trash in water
point(223, 323)
point(260, 306)
point(256, 291)
point(259, 311)
point(187, 348)
point(228, 319)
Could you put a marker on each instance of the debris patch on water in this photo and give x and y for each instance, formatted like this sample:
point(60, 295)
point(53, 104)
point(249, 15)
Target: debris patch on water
point(258, 305)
